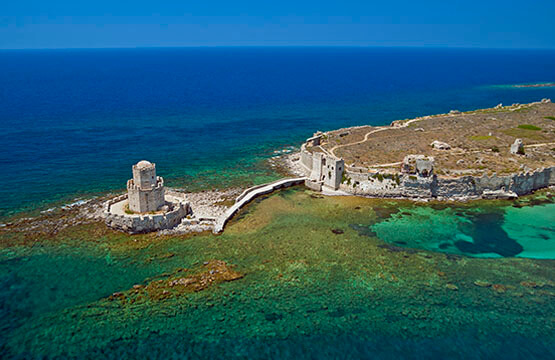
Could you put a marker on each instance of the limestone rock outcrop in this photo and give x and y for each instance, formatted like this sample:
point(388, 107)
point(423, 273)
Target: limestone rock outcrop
point(440, 145)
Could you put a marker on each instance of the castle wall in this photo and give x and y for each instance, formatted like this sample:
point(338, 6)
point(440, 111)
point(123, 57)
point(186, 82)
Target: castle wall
point(317, 163)
point(135, 224)
point(360, 181)
point(306, 159)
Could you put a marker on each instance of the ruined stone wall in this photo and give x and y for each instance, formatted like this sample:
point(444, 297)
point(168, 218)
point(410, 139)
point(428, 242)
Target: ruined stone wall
point(359, 181)
point(316, 173)
point(135, 224)
point(322, 168)
point(306, 159)
point(466, 187)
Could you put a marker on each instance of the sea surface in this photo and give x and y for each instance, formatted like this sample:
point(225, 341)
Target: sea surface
point(72, 122)
point(324, 277)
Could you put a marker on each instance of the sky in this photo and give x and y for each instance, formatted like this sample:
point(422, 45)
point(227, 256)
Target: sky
point(38, 24)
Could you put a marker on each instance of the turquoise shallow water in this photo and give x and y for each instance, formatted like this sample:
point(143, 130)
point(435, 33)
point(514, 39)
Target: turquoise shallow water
point(490, 232)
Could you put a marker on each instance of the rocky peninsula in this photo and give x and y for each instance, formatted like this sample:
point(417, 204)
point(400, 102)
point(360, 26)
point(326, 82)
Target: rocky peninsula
point(500, 152)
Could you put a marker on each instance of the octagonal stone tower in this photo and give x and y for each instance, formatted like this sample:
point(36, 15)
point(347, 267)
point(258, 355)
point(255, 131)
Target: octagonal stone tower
point(146, 190)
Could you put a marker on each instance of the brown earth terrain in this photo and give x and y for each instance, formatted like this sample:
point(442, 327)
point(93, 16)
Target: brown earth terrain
point(480, 141)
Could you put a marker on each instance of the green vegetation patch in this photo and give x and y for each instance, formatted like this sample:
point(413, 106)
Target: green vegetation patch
point(127, 210)
point(481, 137)
point(529, 127)
point(550, 117)
point(524, 133)
point(345, 179)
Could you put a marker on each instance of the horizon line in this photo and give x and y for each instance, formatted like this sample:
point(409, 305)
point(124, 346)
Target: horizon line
point(277, 46)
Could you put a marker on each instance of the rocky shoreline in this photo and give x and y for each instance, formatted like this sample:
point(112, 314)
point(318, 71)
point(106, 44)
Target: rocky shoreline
point(208, 206)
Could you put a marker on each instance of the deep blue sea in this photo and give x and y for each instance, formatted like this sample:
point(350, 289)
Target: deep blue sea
point(72, 122)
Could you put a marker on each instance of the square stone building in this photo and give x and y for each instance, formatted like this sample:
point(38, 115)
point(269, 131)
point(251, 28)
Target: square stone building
point(146, 190)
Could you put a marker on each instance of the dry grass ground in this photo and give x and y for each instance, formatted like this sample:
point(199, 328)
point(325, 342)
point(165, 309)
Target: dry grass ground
point(480, 141)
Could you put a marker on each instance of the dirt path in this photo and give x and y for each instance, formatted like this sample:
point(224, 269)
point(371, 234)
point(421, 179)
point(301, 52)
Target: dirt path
point(332, 151)
point(538, 145)
point(366, 137)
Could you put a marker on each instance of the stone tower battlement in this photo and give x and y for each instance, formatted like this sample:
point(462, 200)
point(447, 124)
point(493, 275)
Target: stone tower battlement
point(131, 184)
point(146, 190)
point(144, 175)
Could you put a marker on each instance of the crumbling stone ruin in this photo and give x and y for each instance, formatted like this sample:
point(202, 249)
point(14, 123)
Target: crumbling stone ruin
point(418, 165)
point(324, 170)
point(517, 147)
point(315, 139)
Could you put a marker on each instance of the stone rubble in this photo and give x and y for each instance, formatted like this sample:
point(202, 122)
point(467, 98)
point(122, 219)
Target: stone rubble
point(440, 145)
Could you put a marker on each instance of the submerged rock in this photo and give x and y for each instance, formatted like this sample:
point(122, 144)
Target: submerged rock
point(452, 287)
point(481, 283)
point(213, 272)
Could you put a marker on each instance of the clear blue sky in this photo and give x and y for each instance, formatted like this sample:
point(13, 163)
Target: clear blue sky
point(140, 23)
